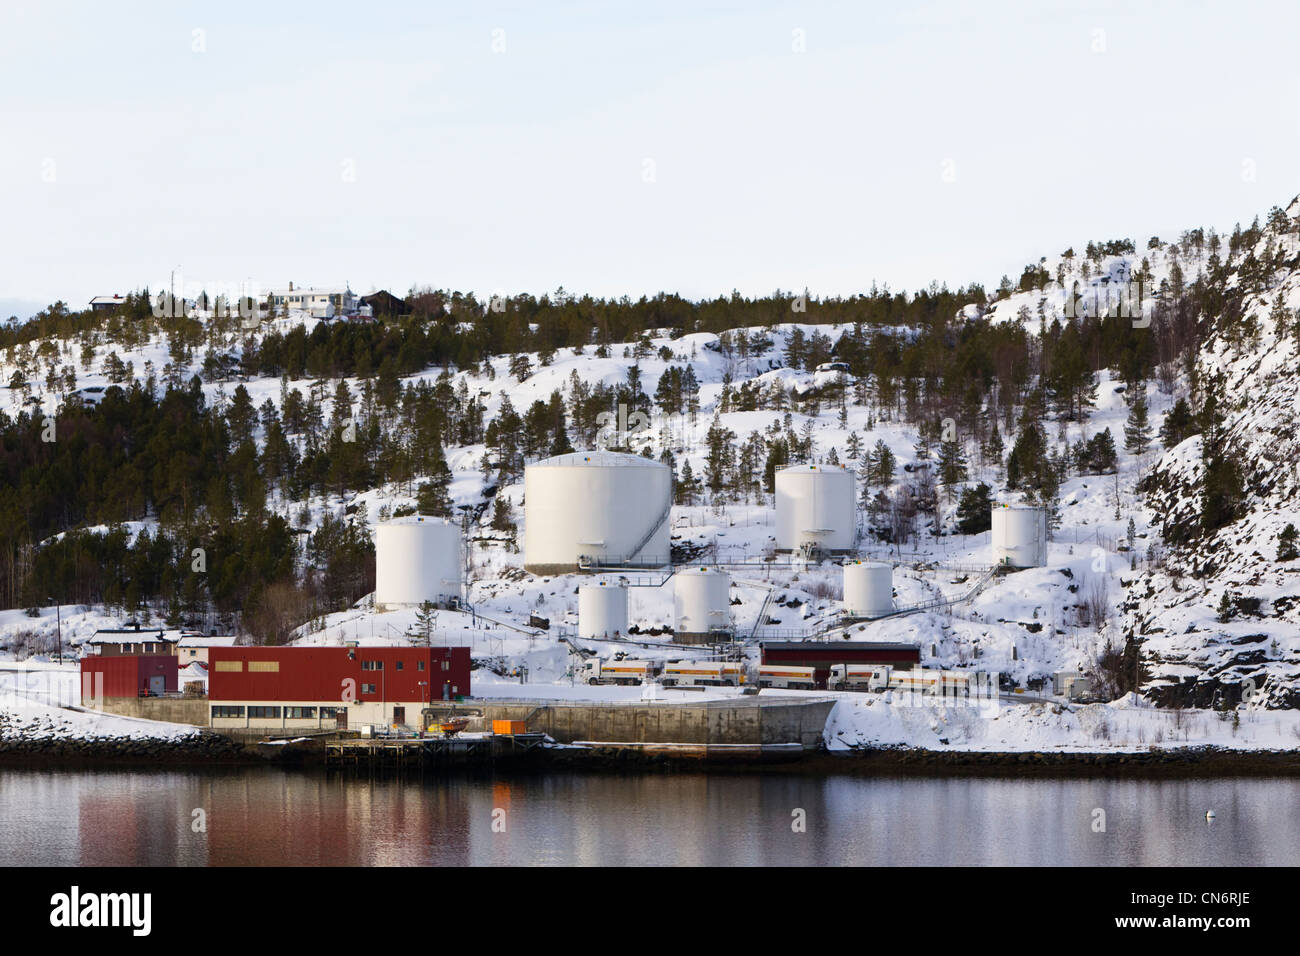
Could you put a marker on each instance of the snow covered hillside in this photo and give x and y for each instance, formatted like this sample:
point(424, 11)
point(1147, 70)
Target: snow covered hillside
point(1220, 620)
point(1214, 616)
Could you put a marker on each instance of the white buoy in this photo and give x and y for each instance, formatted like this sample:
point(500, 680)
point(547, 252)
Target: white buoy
point(1209, 814)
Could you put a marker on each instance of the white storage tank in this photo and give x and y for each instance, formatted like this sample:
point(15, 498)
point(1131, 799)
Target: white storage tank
point(701, 605)
point(868, 588)
point(602, 610)
point(417, 559)
point(611, 506)
point(1019, 536)
point(815, 506)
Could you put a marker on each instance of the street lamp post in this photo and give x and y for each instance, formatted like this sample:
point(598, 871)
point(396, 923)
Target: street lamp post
point(58, 617)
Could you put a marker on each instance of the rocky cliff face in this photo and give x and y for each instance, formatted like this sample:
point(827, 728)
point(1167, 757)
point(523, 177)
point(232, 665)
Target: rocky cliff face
point(1219, 621)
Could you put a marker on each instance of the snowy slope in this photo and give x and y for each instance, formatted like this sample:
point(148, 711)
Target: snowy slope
point(1026, 626)
point(1199, 656)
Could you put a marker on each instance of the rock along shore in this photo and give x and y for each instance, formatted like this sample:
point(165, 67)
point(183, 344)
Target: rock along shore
point(212, 749)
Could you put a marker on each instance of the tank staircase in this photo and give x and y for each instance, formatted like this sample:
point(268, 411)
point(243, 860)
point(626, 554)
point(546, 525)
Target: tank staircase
point(600, 563)
point(762, 611)
point(839, 620)
point(987, 575)
point(659, 523)
point(510, 625)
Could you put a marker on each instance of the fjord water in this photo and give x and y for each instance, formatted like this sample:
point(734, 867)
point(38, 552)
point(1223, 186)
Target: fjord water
point(262, 816)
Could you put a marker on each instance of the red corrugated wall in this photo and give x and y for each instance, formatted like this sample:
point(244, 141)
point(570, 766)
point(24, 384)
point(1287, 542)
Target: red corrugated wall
point(319, 673)
point(127, 675)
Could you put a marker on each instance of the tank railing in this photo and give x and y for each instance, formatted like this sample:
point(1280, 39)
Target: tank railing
point(940, 602)
point(762, 611)
point(659, 523)
point(600, 563)
point(782, 634)
point(479, 615)
point(639, 562)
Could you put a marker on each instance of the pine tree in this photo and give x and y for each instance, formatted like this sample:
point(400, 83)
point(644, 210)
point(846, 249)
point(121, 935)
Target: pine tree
point(1137, 430)
point(426, 617)
point(1101, 457)
point(1286, 544)
point(687, 486)
point(993, 447)
point(952, 465)
point(881, 465)
point(975, 509)
point(502, 517)
point(1178, 425)
point(796, 349)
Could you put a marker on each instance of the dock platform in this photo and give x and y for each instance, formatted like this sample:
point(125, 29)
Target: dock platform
point(430, 751)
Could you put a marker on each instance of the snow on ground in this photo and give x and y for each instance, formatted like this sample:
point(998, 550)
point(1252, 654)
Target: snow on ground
point(1026, 625)
point(1127, 725)
point(43, 701)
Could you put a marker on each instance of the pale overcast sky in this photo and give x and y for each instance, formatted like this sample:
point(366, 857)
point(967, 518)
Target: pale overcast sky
point(624, 149)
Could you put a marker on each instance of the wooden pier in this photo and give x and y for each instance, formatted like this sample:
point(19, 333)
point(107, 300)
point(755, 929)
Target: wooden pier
point(414, 752)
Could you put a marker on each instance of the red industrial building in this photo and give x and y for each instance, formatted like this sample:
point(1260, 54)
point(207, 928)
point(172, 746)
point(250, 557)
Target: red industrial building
point(128, 675)
point(823, 655)
point(325, 687)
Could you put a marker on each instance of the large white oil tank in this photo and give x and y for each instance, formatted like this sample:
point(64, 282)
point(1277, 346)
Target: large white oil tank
point(815, 506)
point(602, 610)
point(1019, 536)
point(701, 605)
point(868, 588)
point(610, 506)
point(417, 559)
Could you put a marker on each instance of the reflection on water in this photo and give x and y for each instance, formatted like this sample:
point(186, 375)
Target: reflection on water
point(267, 816)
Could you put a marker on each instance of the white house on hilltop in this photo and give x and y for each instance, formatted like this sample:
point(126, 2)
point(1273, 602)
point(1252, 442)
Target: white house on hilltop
point(318, 303)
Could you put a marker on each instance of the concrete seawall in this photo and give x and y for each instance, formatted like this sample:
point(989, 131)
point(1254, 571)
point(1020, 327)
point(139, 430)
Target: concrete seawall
point(743, 721)
point(174, 710)
point(749, 721)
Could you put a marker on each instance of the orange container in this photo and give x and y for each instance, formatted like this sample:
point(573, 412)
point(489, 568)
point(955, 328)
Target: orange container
point(509, 727)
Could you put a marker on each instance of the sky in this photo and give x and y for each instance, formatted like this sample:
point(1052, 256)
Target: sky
point(623, 149)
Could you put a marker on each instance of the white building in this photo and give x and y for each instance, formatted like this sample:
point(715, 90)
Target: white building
point(194, 647)
point(325, 303)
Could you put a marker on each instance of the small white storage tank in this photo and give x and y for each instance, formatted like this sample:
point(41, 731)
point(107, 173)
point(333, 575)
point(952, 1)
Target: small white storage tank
point(1019, 536)
point(868, 588)
point(417, 559)
point(701, 605)
point(815, 505)
point(611, 506)
point(602, 609)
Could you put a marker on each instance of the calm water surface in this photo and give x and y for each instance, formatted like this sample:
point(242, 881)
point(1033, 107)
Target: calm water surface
point(268, 816)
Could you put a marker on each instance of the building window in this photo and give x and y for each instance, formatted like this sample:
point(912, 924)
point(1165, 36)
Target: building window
point(264, 713)
point(328, 713)
point(265, 667)
point(399, 665)
point(419, 666)
point(232, 666)
point(367, 688)
point(372, 665)
point(446, 665)
point(300, 713)
point(225, 712)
